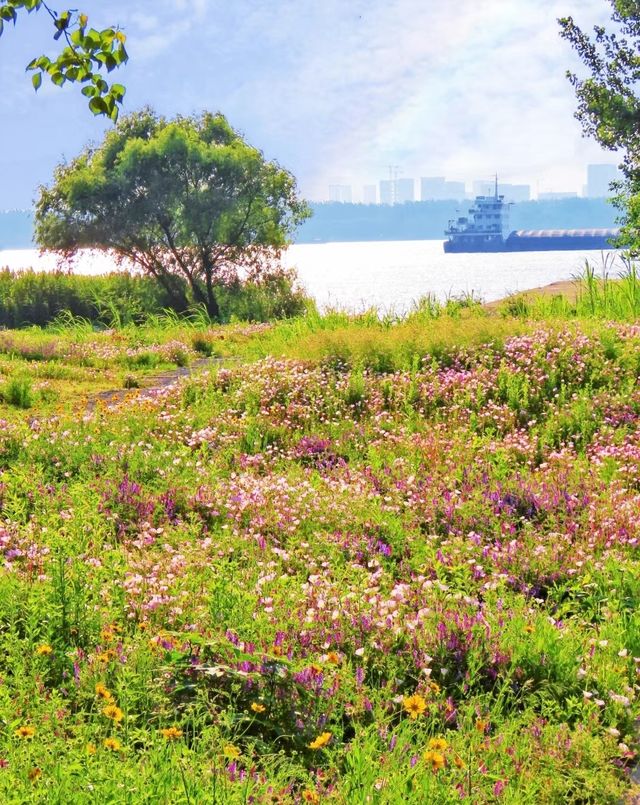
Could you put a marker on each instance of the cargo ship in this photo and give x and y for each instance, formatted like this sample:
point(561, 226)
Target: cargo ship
point(485, 228)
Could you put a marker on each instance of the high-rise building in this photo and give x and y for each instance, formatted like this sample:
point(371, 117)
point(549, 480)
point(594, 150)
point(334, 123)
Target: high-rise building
point(432, 188)
point(387, 191)
point(340, 192)
point(396, 191)
point(437, 188)
point(454, 191)
point(369, 194)
point(483, 187)
point(404, 191)
point(599, 177)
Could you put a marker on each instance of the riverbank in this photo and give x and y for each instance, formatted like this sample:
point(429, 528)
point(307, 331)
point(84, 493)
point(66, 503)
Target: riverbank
point(568, 289)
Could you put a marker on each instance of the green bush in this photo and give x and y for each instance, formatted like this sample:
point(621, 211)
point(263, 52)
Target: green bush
point(18, 392)
point(119, 299)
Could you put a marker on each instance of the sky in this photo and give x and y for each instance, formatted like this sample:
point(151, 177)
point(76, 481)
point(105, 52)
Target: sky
point(334, 90)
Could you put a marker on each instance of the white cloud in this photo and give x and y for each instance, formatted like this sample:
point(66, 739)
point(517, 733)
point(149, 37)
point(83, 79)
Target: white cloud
point(338, 90)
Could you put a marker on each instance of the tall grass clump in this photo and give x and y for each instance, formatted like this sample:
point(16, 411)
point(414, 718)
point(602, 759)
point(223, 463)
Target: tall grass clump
point(30, 297)
point(611, 291)
point(18, 392)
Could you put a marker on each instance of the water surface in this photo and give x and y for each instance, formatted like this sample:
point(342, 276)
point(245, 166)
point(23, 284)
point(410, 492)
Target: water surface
point(388, 275)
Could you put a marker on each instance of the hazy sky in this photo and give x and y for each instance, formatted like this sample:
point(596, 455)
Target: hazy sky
point(335, 90)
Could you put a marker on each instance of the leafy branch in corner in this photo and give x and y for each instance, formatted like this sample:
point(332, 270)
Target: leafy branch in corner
point(86, 55)
point(609, 99)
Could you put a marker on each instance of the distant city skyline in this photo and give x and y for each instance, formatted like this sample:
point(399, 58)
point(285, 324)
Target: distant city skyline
point(402, 189)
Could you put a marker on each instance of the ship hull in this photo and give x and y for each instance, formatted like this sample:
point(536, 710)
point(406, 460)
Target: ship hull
point(536, 241)
point(474, 245)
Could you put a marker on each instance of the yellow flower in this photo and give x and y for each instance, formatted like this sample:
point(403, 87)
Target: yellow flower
point(257, 707)
point(113, 744)
point(435, 760)
point(103, 693)
point(91, 749)
point(434, 687)
point(232, 752)
point(320, 741)
point(529, 629)
point(414, 705)
point(459, 762)
point(438, 744)
point(481, 724)
point(44, 650)
point(171, 733)
point(113, 712)
point(310, 796)
point(333, 657)
point(25, 732)
point(35, 774)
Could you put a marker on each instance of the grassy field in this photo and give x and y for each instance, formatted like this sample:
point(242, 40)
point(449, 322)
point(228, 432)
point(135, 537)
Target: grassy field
point(354, 561)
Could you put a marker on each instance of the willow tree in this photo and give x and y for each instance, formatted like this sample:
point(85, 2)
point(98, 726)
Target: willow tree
point(186, 198)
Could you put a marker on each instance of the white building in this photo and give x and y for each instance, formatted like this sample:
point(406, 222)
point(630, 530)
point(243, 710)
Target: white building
point(396, 191)
point(432, 188)
point(340, 192)
point(599, 177)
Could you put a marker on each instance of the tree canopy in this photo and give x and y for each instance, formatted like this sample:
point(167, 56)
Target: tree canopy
point(185, 198)
point(608, 99)
point(86, 55)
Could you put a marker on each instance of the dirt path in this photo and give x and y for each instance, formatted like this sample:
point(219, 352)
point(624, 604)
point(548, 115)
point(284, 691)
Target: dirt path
point(151, 384)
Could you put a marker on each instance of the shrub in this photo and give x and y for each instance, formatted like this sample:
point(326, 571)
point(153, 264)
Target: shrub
point(18, 392)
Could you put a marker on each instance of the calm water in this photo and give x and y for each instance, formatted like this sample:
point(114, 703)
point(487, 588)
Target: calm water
point(388, 275)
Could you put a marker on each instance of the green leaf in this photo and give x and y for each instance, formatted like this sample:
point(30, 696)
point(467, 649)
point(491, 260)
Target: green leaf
point(98, 106)
point(118, 91)
point(89, 92)
point(36, 80)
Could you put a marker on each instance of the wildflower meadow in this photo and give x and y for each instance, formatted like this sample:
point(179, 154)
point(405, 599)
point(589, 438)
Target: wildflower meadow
point(341, 561)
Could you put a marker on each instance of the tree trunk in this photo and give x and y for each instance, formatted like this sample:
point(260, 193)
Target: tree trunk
point(213, 309)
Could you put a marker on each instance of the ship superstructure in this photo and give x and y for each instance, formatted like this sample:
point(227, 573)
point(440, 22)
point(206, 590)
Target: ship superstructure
point(484, 229)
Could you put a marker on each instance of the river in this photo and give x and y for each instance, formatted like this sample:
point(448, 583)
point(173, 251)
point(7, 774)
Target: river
point(388, 275)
